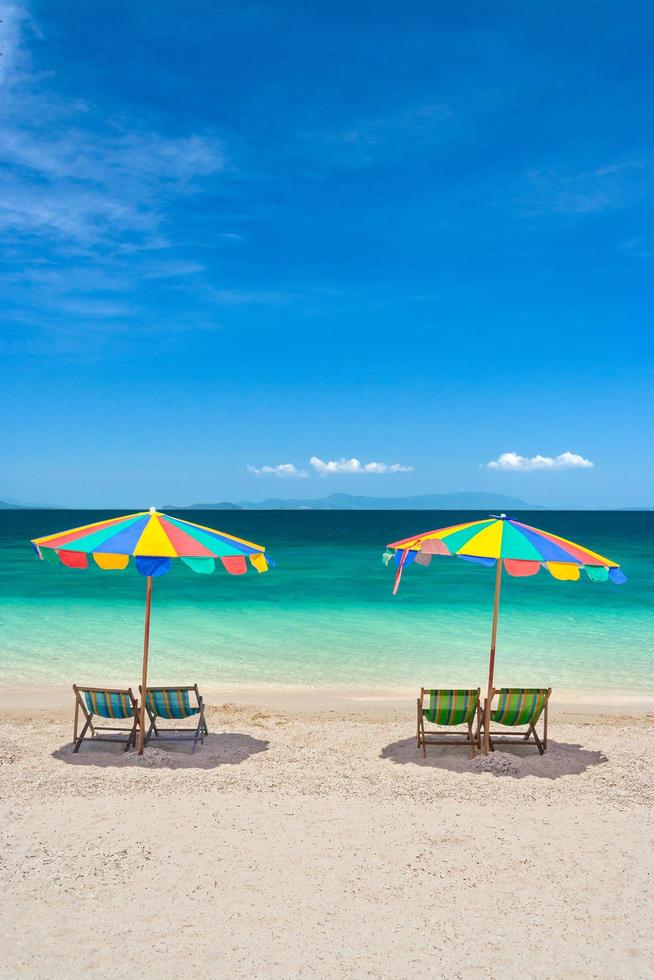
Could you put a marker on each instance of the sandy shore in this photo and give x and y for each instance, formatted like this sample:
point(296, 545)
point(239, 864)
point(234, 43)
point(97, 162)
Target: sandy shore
point(320, 844)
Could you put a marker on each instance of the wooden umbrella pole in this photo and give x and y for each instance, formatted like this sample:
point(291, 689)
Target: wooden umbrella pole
point(491, 666)
point(146, 645)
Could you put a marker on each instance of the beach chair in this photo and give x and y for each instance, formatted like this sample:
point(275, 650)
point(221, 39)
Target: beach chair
point(175, 703)
point(104, 702)
point(448, 708)
point(520, 706)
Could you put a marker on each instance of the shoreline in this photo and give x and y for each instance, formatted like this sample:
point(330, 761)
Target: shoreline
point(345, 700)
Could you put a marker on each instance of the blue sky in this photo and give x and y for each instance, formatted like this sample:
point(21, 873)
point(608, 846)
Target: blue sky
point(243, 236)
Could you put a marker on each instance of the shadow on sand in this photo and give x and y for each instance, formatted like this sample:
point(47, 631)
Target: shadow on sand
point(221, 749)
point(516, 761)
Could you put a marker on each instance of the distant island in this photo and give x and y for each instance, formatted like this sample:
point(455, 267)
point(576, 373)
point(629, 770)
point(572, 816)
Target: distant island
point(489, 502)
point(335, 501)
point(347, 501)
point(10, 504)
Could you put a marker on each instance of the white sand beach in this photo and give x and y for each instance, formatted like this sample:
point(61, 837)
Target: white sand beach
point(320, 844)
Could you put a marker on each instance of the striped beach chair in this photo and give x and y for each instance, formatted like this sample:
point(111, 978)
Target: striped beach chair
point(174, 703)
point(516, 707)
point(448, 708)
point(107, 703)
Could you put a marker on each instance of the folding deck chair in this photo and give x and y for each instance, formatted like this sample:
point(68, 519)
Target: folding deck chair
point(520, 706)
point(105, 703)
point(448, 708)
point(174, 702)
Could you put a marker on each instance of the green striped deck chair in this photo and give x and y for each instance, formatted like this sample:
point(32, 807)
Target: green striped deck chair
point(174, 703)
point(109, 703)
point(520, 706)
point(448, 708)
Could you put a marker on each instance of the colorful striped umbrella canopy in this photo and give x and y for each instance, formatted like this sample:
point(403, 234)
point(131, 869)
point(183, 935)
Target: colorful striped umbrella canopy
point(152, 539)
point(504, 543)
point(524, 550)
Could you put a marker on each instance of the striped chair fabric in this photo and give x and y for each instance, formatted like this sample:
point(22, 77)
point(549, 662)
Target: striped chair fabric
point(519, 705)
point(109, 705)
point(170, 703)
point(456, 707)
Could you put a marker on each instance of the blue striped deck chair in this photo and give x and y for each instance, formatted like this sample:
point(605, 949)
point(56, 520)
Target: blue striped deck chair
point(104, 702)
point(174, 703)
point(518, 706)
point(448, 708)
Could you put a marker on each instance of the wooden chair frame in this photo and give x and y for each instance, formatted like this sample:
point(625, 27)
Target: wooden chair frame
point(177, 734)
point(515, 738)
point(89, 715)
point(430, 737)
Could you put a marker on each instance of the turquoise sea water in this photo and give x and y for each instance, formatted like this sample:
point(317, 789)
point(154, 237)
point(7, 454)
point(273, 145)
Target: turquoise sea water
point(325, 616)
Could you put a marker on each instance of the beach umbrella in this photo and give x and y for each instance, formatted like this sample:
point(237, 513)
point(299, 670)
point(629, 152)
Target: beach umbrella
point(507, 544)
point(152, 540)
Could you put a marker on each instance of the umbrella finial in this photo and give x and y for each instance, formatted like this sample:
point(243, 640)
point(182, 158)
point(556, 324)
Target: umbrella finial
point(153, 510)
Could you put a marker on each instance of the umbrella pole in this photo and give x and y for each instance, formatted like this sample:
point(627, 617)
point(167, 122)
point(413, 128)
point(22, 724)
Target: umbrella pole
point(491, 666)
point(146, 645)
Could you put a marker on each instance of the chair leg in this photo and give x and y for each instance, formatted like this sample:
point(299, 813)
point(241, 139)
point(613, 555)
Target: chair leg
point(472, 740)
point(478, 732)
point(153, 723)
point(82, 734)
point(200, 700)
point(199, 732)
point(132, 735)
point(537, 740)
point(423, 739)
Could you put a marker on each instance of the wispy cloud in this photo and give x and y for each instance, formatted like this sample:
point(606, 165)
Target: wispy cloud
point(636, 247)
point(99, 185)
point(361, 142)
point(171, 269)
point(246, 297)
point(349, 466)
point(515, 462)
point(615, 185)
point(95, 308)
point(89, 206)
point(71, 172)
point(282, 471)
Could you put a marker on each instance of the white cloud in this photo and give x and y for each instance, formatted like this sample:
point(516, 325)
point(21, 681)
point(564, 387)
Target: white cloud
point(564, 461)
point(282, 471)
point(354, 465)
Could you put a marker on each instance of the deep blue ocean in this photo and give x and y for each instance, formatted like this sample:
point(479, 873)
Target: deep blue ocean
point(325, 616)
